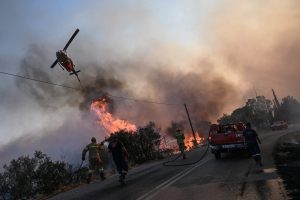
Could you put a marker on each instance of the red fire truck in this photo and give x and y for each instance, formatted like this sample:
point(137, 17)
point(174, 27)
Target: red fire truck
point(226, 138)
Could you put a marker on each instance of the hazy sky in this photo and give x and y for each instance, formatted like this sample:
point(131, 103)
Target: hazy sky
point(210, 52)
point(116, 27)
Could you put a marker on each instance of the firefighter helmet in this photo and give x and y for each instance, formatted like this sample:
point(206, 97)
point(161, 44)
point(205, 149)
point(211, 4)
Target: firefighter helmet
point(93, 139)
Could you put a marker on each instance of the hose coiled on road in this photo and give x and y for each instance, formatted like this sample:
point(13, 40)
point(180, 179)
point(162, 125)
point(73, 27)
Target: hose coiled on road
point(168, 163)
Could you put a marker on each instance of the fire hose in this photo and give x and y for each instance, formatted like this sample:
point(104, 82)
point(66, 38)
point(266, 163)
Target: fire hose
point(168, 163)
point(78, 170)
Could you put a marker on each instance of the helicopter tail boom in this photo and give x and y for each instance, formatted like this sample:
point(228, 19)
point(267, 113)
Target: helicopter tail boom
point(76, 74)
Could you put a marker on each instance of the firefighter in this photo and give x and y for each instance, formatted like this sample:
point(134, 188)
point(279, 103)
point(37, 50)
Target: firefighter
point(95, 162)
point(120, 157)
point(252, 140)
point(180, 141)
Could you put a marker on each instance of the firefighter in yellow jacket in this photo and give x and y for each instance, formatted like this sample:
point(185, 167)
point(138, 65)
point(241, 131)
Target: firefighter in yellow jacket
point(180, 141)
point(95, 162)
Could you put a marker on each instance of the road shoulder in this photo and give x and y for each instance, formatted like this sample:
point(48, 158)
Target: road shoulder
point(287, 159)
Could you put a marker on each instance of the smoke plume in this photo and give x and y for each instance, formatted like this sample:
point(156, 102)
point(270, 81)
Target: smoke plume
point(261, 42)
point(247, 45)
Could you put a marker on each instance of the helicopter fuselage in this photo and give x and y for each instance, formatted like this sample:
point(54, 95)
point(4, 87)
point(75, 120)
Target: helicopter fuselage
point(65, 60)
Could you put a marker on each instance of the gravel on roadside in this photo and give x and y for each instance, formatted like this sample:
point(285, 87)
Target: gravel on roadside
point(287, 159)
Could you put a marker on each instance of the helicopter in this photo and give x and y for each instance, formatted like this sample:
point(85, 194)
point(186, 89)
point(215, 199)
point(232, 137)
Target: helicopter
point(64, 60)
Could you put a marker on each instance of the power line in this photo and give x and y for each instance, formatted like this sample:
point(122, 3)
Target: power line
point(78, 89)
point(46, 82)
point(145, 101)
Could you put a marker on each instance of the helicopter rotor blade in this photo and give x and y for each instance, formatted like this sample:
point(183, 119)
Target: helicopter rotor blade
point(71, 39)
point(55, 62)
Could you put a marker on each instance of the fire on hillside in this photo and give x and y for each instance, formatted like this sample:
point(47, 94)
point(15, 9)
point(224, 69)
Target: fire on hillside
point(111, 124)
point(106, 119)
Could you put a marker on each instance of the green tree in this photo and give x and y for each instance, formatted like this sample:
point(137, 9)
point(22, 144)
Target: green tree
point(50, 175)
point(4, 188)
point(132, 144)
point(290, 109)
point(20, 177)
point(149, 140)
point(142, 145)
point(24, 177)
point(257, 111)
point(226, 119)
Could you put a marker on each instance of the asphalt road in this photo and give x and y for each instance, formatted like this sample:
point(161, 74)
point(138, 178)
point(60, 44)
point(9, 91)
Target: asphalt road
point(232, 177)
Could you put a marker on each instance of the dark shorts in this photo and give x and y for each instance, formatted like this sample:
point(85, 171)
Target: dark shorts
point(122, 165)
point(181, 147)
point(95, 164)
point(253, 148)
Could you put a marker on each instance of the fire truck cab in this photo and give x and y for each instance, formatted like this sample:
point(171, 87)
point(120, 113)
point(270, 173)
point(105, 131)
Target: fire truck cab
point(226, 138)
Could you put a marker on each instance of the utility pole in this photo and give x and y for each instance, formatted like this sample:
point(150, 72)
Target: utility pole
point(187, 112)
point(165, 141)
point(277, 114)
point(277, 104)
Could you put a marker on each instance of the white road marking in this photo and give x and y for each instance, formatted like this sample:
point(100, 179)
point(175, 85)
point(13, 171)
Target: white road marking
point(170, 181)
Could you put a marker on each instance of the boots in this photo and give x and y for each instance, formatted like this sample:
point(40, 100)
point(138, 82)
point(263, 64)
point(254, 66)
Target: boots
point(122, 178)
point(258, 161)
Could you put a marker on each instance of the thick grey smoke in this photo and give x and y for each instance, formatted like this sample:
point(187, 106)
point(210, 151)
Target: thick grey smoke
point(206, 95)
point(64, 143)
point(251, 44)
point(33, 65)
point(100, 85)
point(205, 92)
point(261, 42)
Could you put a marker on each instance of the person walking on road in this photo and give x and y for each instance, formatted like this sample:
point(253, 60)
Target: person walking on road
point(180, 141)
point(120, 157)
point(95, 162)
point(252, 140)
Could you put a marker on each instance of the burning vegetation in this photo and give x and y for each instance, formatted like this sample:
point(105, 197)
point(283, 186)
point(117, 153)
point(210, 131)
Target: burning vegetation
point(111, 125)
point(189, 140)
point(105, 118)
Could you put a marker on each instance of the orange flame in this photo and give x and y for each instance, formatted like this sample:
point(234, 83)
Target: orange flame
point(171, 142)
point(111, 125)
point(189, 140)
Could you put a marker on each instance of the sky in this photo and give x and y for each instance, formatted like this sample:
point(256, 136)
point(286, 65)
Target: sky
point(209, 54)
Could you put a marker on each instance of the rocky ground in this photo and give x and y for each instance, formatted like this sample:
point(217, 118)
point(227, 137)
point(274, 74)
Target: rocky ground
point(287, 159)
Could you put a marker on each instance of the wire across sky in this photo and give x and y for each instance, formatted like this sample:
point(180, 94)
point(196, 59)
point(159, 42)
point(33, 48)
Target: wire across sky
point(78, 89)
